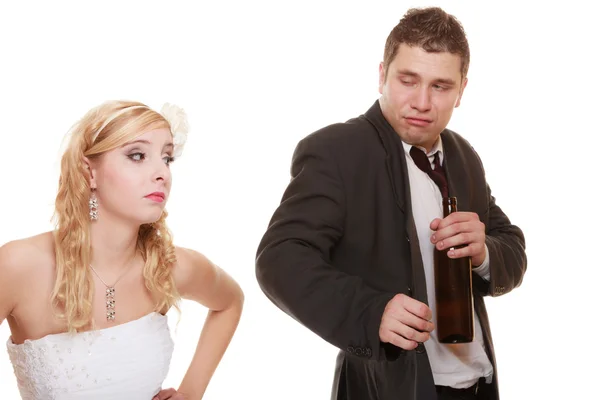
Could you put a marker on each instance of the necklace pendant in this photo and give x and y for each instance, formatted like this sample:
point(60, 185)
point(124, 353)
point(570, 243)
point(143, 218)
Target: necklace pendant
point(110, 303)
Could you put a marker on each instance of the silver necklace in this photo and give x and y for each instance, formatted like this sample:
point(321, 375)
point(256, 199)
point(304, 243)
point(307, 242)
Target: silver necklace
point(110, 292)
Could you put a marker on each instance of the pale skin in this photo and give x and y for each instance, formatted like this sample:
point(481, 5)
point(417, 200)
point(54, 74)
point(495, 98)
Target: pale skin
point(123, 178)
point(419, 92)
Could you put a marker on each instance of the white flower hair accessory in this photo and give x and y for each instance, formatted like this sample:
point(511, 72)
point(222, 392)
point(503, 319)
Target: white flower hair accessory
point(177, 119)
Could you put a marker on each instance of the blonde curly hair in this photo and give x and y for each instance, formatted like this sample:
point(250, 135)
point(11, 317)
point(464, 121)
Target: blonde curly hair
point(73, 288)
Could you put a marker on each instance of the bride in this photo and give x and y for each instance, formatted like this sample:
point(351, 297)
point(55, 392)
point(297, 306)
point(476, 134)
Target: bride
point(86, 303)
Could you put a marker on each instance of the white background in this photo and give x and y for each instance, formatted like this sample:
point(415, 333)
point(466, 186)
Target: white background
point(256, 77)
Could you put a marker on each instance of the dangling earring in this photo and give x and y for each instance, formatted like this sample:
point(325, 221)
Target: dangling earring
point(93, 207)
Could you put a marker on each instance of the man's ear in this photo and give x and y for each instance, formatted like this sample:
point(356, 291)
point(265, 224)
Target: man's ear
point(382, 77)
point(463, 85)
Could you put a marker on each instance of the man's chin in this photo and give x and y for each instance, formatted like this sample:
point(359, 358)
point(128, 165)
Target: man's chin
point(419, 138)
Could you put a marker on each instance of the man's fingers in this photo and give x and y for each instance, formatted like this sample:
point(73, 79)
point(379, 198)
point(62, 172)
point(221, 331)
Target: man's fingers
point(470, 251)
point(401, 335)
point(457, 217)
point(397, 340)
point(405, 322)
point(464, 238)
point(415, 307)
point(415, 322)
point(408, 332)
point(456, 229)
point(435, 224)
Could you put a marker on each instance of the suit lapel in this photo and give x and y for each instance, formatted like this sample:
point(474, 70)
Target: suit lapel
point(398, 175)
point(458, 186)
point(458, 178)
point(392, 160)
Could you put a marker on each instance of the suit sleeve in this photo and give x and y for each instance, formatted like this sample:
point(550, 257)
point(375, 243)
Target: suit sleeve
point(506, 247)
point(293, 265)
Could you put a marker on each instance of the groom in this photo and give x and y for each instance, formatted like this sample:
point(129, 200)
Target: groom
point(349, 251)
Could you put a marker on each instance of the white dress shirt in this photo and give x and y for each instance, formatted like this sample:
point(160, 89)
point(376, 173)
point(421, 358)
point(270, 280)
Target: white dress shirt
point(454, 365)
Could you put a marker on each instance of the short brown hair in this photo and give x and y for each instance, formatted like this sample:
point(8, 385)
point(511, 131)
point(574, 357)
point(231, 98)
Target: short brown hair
point(433, 30)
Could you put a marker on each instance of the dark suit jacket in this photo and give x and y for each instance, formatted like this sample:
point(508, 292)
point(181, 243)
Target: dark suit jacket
point(343, 242)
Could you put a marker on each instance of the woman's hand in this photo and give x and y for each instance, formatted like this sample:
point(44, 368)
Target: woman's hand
point(169, 394)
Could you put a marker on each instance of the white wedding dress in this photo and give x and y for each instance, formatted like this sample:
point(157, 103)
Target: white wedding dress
point(128, 361)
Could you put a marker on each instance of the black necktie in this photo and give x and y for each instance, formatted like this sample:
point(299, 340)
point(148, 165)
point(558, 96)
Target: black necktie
point(437, 175)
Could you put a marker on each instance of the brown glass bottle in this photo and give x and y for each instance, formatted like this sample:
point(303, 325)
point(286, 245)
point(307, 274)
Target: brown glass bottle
point(453, 292)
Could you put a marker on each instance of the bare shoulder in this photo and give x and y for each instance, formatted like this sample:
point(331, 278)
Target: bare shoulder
point(192, 266)
point(198, 278)
point(189, 261)
point(18, 256)
point(20, 260)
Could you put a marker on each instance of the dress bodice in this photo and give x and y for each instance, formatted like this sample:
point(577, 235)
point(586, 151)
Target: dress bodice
point(127, 361)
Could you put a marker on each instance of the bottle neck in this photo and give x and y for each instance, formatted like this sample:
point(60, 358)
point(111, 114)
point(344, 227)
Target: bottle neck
point(449, 205)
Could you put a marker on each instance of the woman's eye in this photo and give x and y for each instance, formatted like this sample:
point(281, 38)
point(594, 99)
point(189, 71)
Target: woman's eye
point(137, 156)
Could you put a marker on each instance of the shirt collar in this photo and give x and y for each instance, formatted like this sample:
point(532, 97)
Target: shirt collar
point(437, 147)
